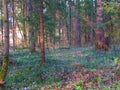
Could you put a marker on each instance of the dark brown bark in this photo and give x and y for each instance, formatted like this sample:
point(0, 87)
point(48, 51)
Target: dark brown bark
point(87, 37)
point(107, 31)
point(4, 68)
point(42, 34)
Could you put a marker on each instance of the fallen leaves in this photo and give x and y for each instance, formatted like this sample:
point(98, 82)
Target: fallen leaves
point(89, 78)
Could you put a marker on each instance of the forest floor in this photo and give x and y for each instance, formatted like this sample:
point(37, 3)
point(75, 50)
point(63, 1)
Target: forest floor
point(65, 69)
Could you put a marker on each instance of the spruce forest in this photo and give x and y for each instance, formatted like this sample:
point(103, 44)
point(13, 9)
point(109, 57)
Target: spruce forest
point(59, 44)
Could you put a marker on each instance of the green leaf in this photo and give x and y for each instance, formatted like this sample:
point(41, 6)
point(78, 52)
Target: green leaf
point(115, 60)
point(78, 88)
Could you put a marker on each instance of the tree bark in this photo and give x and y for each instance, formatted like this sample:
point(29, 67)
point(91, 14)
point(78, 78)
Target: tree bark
point(14, 24)
point(4, 68)
point(99, 31)
point(24, 10)
point(2, 26)
point(31, 32)
point(78, 31)
point(70, 22)
point(42, 34)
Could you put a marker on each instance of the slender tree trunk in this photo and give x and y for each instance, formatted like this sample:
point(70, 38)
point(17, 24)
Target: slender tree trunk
point(24, 5)
point(59, 33)
point(70, 23)
point(78, 31)
point(42, 34)
point(2, 27)
point(31, 32)
point(47, 41)
point(67, 35)
point(93, 18)
point(4, 68)
point(14, 24)
point(99, 31)
point(37, 39)
point(108, 30)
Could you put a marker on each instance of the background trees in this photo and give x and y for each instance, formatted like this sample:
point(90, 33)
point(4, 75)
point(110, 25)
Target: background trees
point(59, 18)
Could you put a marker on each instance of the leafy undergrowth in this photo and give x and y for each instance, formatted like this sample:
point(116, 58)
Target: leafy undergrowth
point(65, 69)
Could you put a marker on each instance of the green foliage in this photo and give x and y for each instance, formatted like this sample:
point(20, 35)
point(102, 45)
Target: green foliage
point(99, 79)
point(78, 85)
point(110, 8)
point(115, 61)
point(49, 24)
point(116, 85)
point(32, 39)
point(78, 88)
point(106, 88)
point(21, 19)
point(111, 19)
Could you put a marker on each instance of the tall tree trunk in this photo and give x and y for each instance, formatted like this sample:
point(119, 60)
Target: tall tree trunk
point(42, 34)
point(2, 27)
point(4, 68)
point(93, 18)
point(59, 33)
point(78, 31)
point(24, 6)
point(70, 22)
point(67, 35)
point(108, 30)
point(31, 32)
point(99, 31)
point(14, 24)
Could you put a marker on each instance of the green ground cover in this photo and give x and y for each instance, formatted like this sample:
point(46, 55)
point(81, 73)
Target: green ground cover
point(75, 68)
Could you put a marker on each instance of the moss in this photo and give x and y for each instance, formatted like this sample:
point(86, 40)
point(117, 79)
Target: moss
point(4, 69)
